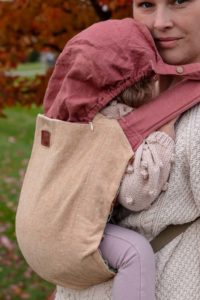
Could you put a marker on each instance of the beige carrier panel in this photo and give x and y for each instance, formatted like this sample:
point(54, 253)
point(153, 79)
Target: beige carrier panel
point(71, 181)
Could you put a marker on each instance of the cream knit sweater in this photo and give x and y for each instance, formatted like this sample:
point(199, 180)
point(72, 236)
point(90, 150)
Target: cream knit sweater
point(178, 263)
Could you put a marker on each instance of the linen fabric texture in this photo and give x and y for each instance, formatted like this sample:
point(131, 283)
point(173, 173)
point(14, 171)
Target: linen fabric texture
point(66, 198)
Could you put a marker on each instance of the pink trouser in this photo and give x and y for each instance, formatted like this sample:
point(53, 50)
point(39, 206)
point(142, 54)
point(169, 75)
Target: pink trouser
point(132, 256)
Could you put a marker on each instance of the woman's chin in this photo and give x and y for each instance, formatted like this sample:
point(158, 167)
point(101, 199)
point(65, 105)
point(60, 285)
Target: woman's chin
point(173, 57)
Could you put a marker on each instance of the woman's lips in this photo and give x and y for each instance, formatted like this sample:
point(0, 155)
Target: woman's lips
point(166, 43)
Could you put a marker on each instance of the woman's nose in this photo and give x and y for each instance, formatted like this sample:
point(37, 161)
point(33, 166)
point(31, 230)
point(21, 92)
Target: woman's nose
point(163, 19)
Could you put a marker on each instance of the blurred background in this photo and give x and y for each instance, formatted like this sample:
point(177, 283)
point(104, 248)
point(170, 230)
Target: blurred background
point(32, 34)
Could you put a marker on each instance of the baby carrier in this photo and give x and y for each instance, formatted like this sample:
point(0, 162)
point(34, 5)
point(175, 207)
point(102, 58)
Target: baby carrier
point(79, 156)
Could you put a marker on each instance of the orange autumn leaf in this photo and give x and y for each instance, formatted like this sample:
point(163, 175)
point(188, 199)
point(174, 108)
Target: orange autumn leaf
point(27, 26)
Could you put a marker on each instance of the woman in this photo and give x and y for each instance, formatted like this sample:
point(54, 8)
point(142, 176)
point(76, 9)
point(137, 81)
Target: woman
point(175, 28)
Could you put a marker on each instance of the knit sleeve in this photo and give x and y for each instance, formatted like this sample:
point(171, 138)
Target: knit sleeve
point(147, 175)
point(193, 155)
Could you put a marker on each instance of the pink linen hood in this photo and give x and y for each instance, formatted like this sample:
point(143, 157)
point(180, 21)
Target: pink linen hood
point(100, 62)
point(96, 65)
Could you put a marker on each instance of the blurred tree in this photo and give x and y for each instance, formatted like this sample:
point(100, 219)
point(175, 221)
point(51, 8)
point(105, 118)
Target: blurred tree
point(30, 26)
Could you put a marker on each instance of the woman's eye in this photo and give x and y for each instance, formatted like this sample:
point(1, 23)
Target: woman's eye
point(145, 4)
point(180, 2)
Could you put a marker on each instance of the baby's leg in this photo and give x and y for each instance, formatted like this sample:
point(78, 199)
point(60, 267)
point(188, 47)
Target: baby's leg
point(132, 256)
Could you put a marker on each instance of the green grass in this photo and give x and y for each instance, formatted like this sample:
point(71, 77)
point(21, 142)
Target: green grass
point(30, 66)
point(17, 280)
point(29, 69)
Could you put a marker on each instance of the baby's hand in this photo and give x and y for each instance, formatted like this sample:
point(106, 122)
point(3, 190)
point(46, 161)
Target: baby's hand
point(168, 128)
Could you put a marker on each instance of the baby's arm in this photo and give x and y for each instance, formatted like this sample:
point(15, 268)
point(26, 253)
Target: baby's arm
point(147, 175)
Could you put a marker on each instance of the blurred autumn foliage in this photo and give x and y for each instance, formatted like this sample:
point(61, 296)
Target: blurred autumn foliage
point(35, 25)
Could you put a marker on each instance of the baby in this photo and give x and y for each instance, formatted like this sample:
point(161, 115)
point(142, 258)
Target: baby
point(146, 176)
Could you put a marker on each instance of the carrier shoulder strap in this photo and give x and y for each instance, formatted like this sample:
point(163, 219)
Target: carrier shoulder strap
point(168, 234)
point(138, 124)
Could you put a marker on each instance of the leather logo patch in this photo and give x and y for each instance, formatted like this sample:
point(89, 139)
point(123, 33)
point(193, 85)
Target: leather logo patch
point(45, 138)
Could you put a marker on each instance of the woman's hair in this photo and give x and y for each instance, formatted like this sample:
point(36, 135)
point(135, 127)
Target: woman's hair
point(139, 93)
